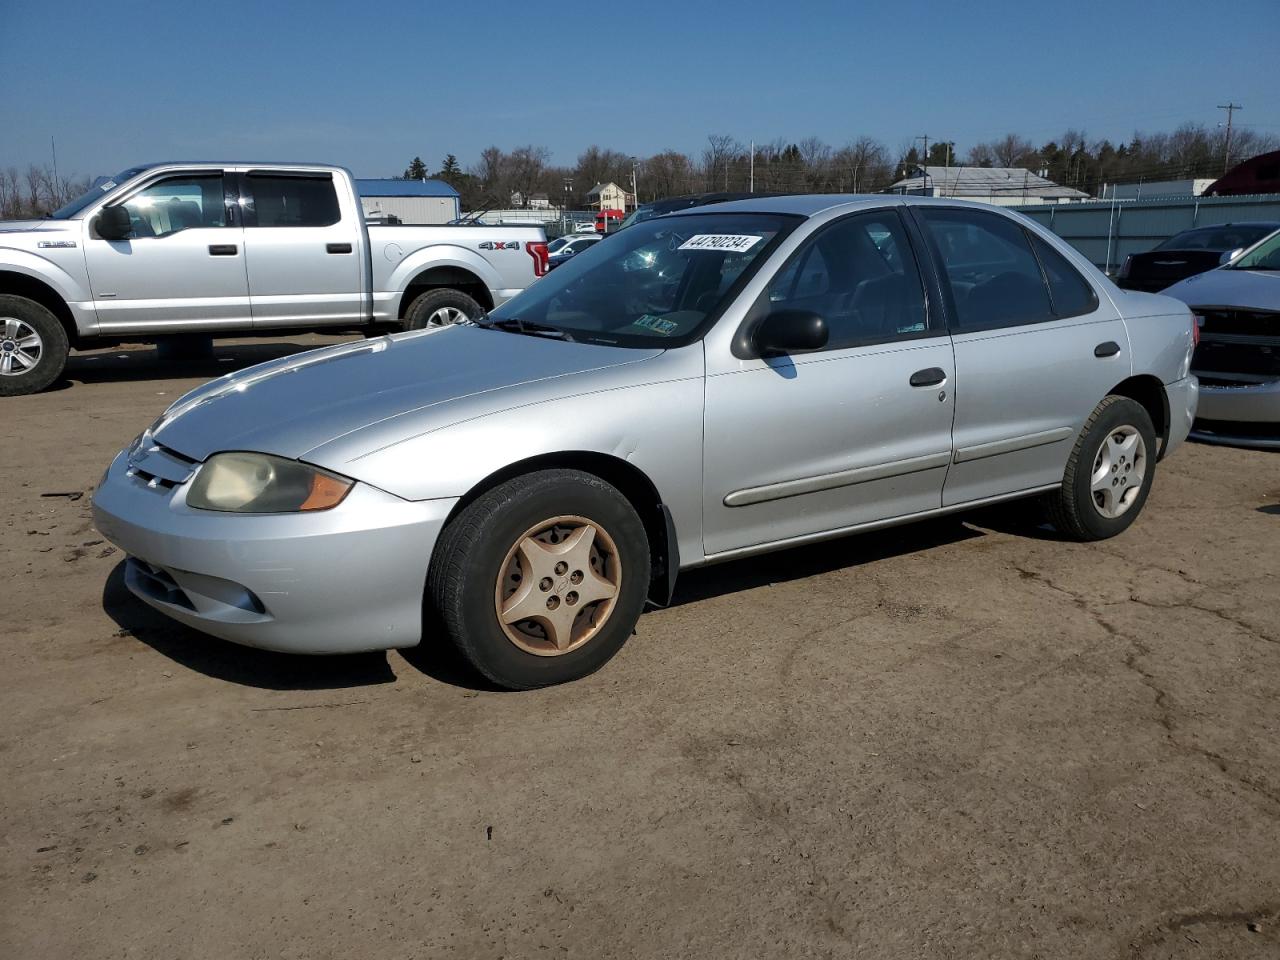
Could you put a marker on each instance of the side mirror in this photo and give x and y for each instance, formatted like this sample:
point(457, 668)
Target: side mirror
point(113, 223)
point(1230, 255)
point(790, 331)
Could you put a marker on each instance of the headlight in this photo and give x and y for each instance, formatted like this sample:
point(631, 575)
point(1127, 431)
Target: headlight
point(258, 483)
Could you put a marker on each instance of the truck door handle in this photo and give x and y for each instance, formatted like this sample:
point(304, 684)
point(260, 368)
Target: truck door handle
point(222, 249)
point(337, 248)
point(929, 377)
point(1108, 349)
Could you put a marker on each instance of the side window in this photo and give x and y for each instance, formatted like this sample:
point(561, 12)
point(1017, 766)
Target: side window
point(177, 203)
point(283, 201)
point(995, 279)
point(859, 275)
point(1071, 293)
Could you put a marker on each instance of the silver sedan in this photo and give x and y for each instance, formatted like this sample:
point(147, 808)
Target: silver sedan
point(725, 381)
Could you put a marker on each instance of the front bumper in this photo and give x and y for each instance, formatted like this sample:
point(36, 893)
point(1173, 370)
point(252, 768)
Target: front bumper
point(338, 581)
point(1245, 414)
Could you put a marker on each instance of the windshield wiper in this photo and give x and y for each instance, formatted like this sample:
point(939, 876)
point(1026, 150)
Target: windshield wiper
point(526, 327)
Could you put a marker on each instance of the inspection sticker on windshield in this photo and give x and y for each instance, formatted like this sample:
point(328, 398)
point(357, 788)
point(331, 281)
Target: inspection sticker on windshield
point(656, 324)
point(728, 242)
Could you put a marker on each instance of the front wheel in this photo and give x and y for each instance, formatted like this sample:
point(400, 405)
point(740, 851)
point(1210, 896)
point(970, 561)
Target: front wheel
point(1109, 474)
point(542, 579)
point(441, 307)
point(33, 347)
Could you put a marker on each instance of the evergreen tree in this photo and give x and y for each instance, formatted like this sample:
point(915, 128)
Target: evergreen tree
point(417, 170)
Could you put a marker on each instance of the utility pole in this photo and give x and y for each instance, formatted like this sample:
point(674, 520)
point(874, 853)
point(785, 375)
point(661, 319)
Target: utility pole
point(635, 194)
point(924, 166)
point(753, 167)
point(1231, 108)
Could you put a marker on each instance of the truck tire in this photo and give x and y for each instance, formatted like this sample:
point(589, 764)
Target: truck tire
point(441, 307)
point(33, 347)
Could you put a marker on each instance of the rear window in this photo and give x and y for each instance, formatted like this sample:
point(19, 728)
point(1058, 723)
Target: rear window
point(282, 201)
point(1072, 295)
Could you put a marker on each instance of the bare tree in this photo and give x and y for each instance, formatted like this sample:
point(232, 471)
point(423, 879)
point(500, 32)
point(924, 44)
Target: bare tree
point(715, 160)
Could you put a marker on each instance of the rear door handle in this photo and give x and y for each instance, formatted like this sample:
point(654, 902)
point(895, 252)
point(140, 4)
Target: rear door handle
point(337, 248)
point(222, 249)
point(929, 377)
point(1107, 349)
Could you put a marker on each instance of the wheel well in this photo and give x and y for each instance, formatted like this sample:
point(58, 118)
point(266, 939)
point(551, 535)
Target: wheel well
point(630, 481)
point(21, 285)
point(453, 277)
point(1148, 391)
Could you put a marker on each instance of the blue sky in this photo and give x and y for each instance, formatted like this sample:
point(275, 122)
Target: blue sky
point(370, 85)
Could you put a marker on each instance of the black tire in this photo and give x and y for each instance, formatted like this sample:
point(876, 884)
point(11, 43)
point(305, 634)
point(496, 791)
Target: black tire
point(1072, 508)
point(51, 358)
point(423, 310)
point(474, 546)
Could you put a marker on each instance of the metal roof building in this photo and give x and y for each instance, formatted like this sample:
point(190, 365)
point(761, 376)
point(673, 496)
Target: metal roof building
point(412, 201)
point(1006, 186)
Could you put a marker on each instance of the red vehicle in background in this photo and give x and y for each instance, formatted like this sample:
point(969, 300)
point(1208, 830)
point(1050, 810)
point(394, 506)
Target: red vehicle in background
point(608, 220)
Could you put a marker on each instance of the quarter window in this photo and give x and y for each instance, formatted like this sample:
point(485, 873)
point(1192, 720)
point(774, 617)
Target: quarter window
point(859, 275)
point(994, 277)
point(178, 203)
point(282, 201)
point(1071, 293)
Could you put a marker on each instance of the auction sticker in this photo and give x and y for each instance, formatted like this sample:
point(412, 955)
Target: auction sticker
point(728, 242)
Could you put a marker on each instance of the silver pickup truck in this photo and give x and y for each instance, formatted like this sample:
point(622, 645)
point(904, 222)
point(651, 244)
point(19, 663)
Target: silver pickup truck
point(228, 249)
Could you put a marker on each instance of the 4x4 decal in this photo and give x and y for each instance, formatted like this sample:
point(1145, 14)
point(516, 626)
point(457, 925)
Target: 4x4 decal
point(500, 245)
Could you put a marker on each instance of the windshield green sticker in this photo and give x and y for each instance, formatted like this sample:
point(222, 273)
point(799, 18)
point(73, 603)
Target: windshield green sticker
point(656, 324)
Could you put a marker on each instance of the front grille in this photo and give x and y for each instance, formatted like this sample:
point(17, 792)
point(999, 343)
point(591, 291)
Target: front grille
point(157, 583)
point(1239, 428)
point(159, 467)
point(1241, 342)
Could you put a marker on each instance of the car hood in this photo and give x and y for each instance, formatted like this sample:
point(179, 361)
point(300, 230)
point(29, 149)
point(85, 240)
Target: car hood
point(1250, 289)
point(291, 406)
point(29, 226)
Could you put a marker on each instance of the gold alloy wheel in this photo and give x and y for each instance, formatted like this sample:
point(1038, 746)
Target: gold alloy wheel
point(558, 586)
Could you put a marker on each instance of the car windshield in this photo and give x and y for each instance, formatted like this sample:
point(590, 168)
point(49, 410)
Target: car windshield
point(100, 186)
point(1266, 256)
point(659, 284)
point(1220, 239)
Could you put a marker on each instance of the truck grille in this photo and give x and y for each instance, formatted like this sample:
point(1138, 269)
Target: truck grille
point(1238, 342)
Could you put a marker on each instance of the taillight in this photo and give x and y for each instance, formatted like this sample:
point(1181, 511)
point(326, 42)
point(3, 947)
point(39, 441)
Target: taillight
point(539, 253)
point(1197, 322)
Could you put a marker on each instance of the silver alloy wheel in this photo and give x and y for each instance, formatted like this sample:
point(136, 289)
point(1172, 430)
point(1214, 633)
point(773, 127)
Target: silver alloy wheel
point(20, 347)
point(1118, 471)
point(446, 316)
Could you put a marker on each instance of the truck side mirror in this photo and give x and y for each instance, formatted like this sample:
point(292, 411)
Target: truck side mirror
point(113, 223)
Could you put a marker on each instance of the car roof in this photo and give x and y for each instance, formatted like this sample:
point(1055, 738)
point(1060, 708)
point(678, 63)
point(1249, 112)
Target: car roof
point(815, 204)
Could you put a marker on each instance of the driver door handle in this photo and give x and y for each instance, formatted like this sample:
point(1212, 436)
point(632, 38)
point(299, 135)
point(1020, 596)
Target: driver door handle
point(929, 377)
point(222, 249)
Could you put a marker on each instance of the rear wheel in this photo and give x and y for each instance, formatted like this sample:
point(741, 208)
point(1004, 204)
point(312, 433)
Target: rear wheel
point(1109, 474)
point(33, 347)
point(542, 579)
point(441, 307)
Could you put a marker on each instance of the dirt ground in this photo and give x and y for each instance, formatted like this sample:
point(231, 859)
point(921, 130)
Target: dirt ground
point(961, 739)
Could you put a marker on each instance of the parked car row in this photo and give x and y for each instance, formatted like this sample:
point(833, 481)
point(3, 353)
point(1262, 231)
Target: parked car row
point(711, 384)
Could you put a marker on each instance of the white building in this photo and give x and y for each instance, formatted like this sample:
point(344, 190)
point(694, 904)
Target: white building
point(609, 196)
point(1004, 186)
point(412, 201)
point(1154, 189)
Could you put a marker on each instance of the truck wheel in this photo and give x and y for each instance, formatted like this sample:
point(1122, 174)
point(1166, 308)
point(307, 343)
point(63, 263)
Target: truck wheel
point(441, 308)
point(542, 579)
point(33, 347)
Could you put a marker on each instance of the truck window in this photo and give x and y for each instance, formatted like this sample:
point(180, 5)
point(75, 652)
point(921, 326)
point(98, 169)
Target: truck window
point(284, 201)
point(177, 203)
